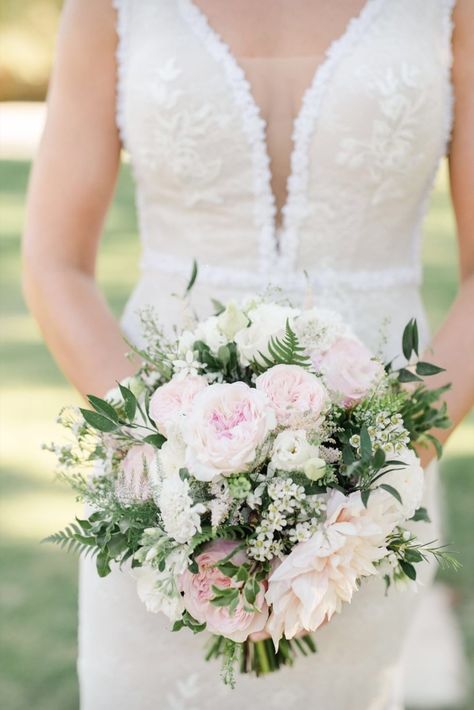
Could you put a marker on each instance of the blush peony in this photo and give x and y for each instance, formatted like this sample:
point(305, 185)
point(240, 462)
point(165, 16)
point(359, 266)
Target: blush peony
point(314, 580)
point(173, 400)
point(293, 392)
point(348, 369)
point(226, 427)
point(197, 593)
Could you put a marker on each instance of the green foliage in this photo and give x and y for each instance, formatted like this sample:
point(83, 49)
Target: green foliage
point(282, 351)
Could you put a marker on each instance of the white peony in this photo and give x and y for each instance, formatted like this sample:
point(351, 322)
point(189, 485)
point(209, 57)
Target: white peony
point(291, 450)
point(266, 320)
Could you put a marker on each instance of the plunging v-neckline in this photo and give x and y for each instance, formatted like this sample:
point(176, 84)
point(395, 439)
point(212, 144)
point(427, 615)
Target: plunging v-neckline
point(274, 250)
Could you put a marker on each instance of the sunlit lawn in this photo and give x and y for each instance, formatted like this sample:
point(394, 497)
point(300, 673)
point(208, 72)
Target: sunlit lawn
point(39, 582)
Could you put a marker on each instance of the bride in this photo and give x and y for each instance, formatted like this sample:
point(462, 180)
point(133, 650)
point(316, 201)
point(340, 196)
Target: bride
point(266, 139)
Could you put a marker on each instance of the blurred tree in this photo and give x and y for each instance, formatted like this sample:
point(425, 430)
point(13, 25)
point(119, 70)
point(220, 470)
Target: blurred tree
point(27, 38)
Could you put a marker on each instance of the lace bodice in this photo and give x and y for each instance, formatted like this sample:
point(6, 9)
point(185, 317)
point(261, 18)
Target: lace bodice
point(372, 127)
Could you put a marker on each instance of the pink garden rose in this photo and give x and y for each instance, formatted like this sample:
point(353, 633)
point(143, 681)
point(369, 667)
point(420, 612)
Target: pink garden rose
point(293, 392)
point(197, 593)
point(172, 400)
point(133, 483)
point(349, 369)
point(227, 425)
point(314, 580)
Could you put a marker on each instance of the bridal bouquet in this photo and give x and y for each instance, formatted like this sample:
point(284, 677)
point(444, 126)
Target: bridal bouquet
point(254, 471)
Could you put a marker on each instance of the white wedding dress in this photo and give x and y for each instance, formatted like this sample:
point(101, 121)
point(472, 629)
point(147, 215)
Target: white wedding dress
point(373, 124)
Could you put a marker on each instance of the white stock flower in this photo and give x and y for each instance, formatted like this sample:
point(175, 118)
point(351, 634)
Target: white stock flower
point(159, 590)
point(291, 450)
point(181, 517)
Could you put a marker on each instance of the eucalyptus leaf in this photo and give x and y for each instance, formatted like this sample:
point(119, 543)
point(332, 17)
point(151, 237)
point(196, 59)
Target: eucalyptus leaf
point(393, 491)
point(103, 407)
point(98, 421)
point(130, 402)
point(426, 369)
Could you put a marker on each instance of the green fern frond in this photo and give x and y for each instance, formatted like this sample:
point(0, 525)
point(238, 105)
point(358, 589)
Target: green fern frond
point(73, 539)
point(282, 351)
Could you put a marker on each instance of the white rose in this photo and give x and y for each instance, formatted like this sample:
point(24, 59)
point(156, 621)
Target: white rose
point(314, 468)
point(210, 333)
point(232, 320)
point(291, 450)
point(266, 320)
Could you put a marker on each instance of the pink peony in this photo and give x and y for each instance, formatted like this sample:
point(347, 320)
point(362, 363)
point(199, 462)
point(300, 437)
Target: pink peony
point(319, 575)
point(133, 483)
point(197, 593)
point(174, 399)
point(293, 392)
point(227, 425)
point(349, 369)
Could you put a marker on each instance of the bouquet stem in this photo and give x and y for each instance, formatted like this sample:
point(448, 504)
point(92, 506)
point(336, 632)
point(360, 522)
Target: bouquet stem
point(257, 657)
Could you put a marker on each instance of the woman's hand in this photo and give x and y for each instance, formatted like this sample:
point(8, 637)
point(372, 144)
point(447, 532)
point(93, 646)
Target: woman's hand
point(71, 186)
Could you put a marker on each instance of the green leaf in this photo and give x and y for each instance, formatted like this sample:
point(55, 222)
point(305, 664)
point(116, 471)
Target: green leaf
point(365, 444)
point(224, 355)
point(218, 306)
point(415, 336)
point(426, 369)
point(408, 569)
point(405, 375)
point(194, 273)
point(103, 563)
point(155, 440)
point(193, 567)
point(103, 407)
point(393, 491)
point(365, 495)
point(227, 568)
point(421, 514)
point(407, 340)
point(378, 459)
point(413, 555)
point(130, 402)
point(348, 455)
point(436, 443)
point(98, 421)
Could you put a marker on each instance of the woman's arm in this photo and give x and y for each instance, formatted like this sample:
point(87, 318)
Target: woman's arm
point(453, 346)
point(71, 185)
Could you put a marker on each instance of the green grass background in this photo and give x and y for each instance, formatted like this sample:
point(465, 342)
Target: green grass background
point(38, 589)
